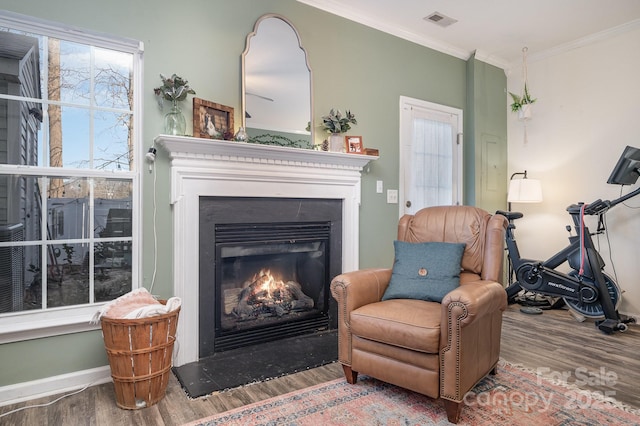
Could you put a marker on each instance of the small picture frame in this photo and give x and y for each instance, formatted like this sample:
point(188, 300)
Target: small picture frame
point(212, 120)
point(353, 145)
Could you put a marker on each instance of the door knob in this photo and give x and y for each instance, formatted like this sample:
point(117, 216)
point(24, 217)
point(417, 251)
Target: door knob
point(408, 204)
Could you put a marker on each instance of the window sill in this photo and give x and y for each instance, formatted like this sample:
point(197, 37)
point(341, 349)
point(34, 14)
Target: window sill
point(29, 325)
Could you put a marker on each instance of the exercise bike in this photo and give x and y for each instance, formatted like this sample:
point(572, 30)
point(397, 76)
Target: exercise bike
point(586, 289)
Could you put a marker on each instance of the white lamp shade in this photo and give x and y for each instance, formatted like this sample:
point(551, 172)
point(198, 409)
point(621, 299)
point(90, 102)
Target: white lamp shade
point(524, 191)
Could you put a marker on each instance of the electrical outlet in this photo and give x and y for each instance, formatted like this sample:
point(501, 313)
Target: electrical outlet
point(379, 187)
point(392, 196)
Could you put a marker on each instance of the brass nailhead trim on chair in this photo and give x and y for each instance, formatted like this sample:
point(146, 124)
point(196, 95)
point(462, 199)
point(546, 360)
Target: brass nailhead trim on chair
point(455, 397)
point(339, 291)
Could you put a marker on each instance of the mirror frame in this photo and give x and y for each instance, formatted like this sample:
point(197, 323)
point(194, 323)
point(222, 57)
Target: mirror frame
point(306, 58)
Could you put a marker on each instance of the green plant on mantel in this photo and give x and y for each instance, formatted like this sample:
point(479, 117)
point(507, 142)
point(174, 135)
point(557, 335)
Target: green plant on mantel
point(335, 122)
point(173, 89)
point(520, 101)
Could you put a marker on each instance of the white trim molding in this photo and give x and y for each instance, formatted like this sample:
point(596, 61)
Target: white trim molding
point(64, 383)
point(204, 168)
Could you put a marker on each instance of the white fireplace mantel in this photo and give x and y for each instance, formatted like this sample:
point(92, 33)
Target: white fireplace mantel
point(205, 168)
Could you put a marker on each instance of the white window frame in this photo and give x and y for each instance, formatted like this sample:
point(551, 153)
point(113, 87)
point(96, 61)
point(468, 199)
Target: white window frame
point(26, 325)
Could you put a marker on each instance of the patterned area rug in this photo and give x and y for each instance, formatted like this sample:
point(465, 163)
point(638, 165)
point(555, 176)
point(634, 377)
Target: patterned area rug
point(512, 397)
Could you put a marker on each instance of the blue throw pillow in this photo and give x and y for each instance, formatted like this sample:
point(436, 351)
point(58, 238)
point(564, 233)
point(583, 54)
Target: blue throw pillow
point(424, 271)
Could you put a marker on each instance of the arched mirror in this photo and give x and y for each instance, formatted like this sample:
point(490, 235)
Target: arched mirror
point(276, 85)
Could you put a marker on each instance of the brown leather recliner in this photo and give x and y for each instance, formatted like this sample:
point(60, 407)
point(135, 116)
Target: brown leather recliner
point(441, 350)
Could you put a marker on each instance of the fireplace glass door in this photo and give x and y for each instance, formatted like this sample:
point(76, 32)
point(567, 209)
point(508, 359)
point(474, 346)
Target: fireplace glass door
point(271, 281)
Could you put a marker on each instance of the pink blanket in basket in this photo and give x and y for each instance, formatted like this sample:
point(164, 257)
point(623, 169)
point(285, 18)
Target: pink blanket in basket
point(138, 303)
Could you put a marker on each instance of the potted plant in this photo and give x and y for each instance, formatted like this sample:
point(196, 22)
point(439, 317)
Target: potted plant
point(174, 89)
point(335, 124)
point(522, 104)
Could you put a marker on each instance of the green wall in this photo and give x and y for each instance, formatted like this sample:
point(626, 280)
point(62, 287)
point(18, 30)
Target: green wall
point(485, 137)
point(354, 67)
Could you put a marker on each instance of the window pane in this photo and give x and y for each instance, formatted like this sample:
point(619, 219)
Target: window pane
point(68, 208)
point(69, 137)
point(12, 271)
point(67, 274)
point(112, 270)
point(69, 71)
point(20, 124)
point(20, 204)
point(112, 217)
point(113, 79)
point(113, 141)
point(432, 158)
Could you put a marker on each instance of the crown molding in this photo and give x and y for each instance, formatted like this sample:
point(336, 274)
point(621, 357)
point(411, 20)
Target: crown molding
point(336, 8)
point(585, 41)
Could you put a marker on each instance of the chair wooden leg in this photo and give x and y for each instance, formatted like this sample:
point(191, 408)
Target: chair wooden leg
point(349, 374)
point(453, 410)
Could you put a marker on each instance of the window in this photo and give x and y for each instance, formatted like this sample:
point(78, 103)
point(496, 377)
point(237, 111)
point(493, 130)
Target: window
point(69, 179)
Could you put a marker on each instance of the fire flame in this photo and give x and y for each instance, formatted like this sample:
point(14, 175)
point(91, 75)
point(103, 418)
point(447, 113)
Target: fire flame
point(270, 284)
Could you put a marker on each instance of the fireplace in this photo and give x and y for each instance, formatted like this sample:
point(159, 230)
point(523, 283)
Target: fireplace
point(203, 169)
point(265, 269)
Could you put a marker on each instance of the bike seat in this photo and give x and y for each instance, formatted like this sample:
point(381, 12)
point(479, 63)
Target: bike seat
point(510, 215)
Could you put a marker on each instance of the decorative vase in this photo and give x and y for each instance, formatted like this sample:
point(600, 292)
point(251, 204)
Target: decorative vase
point(525, 112)
point(241, 136)
point(336, 142)
point(174, 122)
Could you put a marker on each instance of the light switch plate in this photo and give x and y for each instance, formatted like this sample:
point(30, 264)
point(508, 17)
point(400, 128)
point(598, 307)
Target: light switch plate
point(392, 196)
point(379, 187)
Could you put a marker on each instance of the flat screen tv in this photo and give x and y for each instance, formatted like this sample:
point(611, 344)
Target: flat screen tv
point(627, 170)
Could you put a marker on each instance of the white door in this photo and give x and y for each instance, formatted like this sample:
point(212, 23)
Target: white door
point(430, 155)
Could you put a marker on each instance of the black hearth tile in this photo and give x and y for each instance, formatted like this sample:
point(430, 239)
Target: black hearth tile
point(237, 367)
point(194, 379)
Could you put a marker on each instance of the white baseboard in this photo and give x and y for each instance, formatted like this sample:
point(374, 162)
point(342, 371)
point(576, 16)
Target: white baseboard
point(20, 392)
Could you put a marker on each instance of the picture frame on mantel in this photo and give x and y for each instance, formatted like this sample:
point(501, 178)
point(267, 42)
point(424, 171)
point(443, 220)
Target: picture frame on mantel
point(212, 120)
point(353, 145)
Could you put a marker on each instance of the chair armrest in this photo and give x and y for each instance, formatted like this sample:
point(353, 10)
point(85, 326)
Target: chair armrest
point(352, 290)
point(470, 336)
point(477, 298)
point(359, 288)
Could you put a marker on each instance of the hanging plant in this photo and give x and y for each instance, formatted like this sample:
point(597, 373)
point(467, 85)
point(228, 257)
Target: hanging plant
point(520, 101)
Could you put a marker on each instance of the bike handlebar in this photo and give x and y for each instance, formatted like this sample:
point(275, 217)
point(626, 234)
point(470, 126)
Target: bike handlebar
point(596, 207)
point(600, 206)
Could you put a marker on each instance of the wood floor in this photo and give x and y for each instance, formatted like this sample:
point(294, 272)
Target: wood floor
point(553, 343)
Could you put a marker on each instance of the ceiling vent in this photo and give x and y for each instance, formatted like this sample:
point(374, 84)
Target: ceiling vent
point(440, 19)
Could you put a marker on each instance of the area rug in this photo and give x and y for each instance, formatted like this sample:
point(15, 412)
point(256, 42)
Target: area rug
point(514, 396)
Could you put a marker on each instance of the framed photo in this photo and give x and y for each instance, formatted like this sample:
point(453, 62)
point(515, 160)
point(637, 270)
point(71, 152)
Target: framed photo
point(353, 145)
point(211, 120)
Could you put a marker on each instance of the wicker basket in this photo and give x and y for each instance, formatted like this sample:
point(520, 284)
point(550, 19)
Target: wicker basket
point(140, 355)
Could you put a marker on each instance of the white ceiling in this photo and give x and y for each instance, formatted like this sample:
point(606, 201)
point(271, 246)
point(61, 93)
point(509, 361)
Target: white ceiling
point(496, 30)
